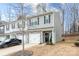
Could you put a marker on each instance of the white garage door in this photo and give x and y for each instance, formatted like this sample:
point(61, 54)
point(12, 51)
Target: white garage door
point(21, 37)
point(34, 37)
point(2, 38)
point(12, 36)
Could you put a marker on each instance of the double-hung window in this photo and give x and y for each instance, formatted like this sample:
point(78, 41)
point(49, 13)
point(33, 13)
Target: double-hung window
point(34, 22)
point(21, 24)
point(47, 19)
point(13, 26)
point(7, 27)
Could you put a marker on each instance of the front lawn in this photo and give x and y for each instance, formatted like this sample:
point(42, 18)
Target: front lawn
point(59, 49)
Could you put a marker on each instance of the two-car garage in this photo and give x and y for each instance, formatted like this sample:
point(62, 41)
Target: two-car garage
point(34, 37)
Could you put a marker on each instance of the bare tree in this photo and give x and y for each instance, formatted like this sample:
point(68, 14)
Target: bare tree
point(0, 15)
point(20, 8)
point(74, 15)
point(10, 14)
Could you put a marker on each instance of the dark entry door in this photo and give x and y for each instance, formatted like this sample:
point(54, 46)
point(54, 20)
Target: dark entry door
point(47, 36)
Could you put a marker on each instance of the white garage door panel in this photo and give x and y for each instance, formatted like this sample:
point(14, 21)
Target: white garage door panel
point(12, 36)
point(34, 38)
point(2, 38)
point(21, 37)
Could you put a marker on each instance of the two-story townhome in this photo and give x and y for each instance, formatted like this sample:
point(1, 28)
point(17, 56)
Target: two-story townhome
point(75, 26)
point(37, 28)
point(2, 33)
point(44, 27)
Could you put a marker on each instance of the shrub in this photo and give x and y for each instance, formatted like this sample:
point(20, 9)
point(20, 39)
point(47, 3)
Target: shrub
point(49, 42)
point(77, 43)
point(63, 39)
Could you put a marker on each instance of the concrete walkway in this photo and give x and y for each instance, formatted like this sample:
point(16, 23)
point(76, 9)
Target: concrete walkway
point(10, 50)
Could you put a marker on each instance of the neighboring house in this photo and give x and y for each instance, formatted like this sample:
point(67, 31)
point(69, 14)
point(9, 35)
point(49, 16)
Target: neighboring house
point(2, 31)
point(37, 29)
point(75, 26)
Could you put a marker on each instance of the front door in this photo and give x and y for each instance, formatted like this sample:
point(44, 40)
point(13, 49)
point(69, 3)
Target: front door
point(47, 36)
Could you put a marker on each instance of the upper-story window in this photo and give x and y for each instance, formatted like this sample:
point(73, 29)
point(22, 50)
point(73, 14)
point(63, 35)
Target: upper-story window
point(13, 26)
point(47, 19)
point(21, 24)
point(7, 27)
point(24, 24)
point(34, 21)
point(38, 20)
point(1, 29)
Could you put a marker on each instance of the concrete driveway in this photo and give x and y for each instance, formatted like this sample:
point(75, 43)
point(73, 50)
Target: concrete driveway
point(14, 49)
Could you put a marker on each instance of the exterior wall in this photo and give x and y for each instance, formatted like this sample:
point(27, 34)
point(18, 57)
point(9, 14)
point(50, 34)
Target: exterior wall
point(61, 13)
point(58, 27)
point(1, 29)
point(2, 37)
point(16, 27)
point(41, 37)
point(53, 36)
point(41, 23)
